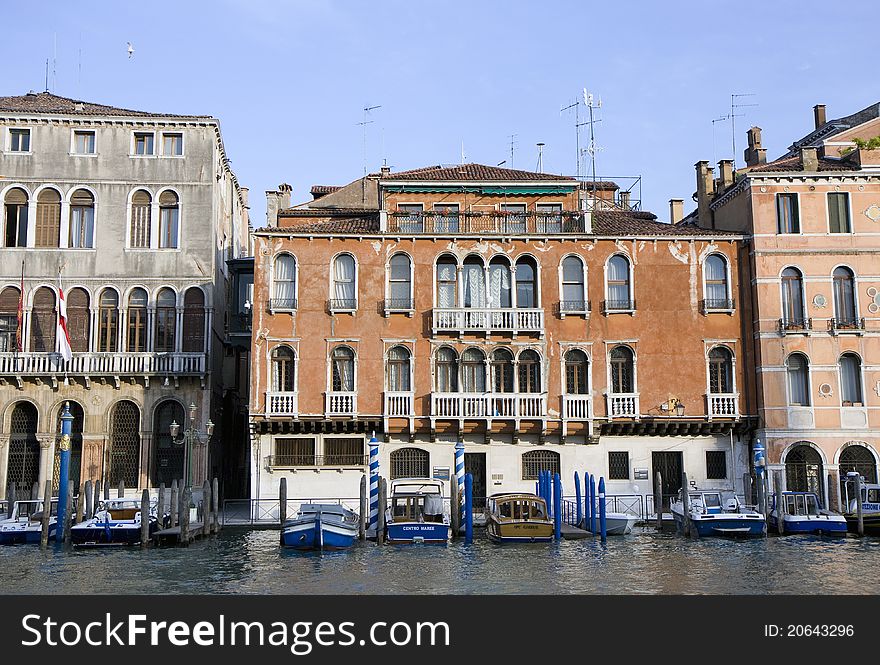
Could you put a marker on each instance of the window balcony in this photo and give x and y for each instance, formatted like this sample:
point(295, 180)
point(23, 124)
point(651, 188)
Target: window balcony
point(724, 306)
point(342, 305)
point(618, 306)
point(399, 404)
point(489, 223)
point(854, 325)
point(794, 326)
point(577, 408)
point(106, 364)
point(723, 405)
point(488, 406)
point(488, 320)
point(294, 461)
point(623, 405)
point(340, 404)
point(282, 404)
point(573, 308)
point(282, 304)
point(398, 305)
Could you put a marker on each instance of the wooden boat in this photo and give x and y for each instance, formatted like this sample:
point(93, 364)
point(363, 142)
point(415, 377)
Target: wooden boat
point(321, 526)
point(801, 513)
point(870, 498)
point(708, 516)
point(416, 513)
point(116, 522)
point(26, 523)
point(518, 518)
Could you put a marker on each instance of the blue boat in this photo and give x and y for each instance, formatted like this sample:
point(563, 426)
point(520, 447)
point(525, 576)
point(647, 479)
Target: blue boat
point(707, 515)
point(25, 524)
point(320, 526)
point(416, 513)
point(802, 513)
point(116, 522)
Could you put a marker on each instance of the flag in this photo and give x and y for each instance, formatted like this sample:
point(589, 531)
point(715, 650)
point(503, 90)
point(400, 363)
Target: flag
point(61, 334)
point(20, 312)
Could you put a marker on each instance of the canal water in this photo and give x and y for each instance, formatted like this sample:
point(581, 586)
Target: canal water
point(645, 562)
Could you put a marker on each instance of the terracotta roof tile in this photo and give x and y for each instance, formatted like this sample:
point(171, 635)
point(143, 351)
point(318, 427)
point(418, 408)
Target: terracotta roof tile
point(789, 164)
point(324, 189)
point(638, 223)
point(351, 225)
point(473, 173)
point(46, 102)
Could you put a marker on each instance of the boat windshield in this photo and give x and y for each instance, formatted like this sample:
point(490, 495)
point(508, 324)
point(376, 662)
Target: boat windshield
point(522, 509)
point(801, 504)
point(416, 509)
point(874, 495)
point(712, 500)
point(30, 509)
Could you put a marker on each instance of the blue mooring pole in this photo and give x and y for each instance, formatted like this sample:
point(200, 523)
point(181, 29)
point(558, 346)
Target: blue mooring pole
point(577, 498)
point(557, 505)
point(64, 471)
point(543, 477)
point(374, 485)
point(588, 509)
point(468, 508)
point(592, 504)
point(602, 508)
point(459, 480)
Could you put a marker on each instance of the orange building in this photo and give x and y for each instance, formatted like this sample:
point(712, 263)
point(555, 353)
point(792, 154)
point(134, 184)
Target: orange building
point(544, 322)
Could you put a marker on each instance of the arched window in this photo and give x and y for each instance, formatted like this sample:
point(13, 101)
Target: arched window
point(284, 282)
point(474, 282)
point(850, 380)
point(803, 471)
point(536, 461)
point(194, 320)
point(141, 214)
point(859, 459)
point(137, 320)
point(577, 373)
point(78, 319)
point(76, 440)
point(82, 219)
point(125, 444)
point(446, 371)
point(529, 372)
point(573, 288)
point(501, 367)
point(798, 369)
point(473, 371)
point(166, 320)
point(48, 224)
point(167, 454)
point(717, 288)
point(447, 280)
point(398, 370)
point(399, 283)
point(108, 320)
point(526, 282)
point(619, 287)
point(499, 283)
point(342, 360)
point(793, 298)
point(9, 298)
point(169, 220)
point(622, 370)
point(720, 370)
point(16, 229)
point(344, 284)
point(43, 321)
point(410, 463)
point(23, 465)
point(844, 298)
point(283, 370)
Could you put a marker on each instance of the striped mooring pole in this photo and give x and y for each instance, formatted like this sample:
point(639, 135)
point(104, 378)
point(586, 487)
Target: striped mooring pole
point(459, 479)
point(588, 508)
point(374, 483)
point(593, 506)
point(64, 470)
point(577, 499)
point(602, 508)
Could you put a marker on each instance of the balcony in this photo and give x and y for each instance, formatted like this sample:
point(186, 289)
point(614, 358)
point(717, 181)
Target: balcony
point(618, 306)
point(723, 405)
point(398, 305)
point(578, 408)
point(853, 325)
point(724, 306)
point(342, 305)
point(488, 320)
point(240, 323)
point(282, 304)
point(488, 406)
point(399, 404)
point(282, 404)
point(573, 308)
point(488, 223)
point(623, 405)
point(102, 364)
point(294, 461)
point(340, 404)
point(794, 326)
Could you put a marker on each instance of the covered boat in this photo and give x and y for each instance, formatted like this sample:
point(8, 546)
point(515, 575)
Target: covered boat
point(116, 522)
point(802, 513)
point(869, 495)
point(321, 526)
point(416, 513)
point(518, 518)
point(25, 524)
point(707, 515)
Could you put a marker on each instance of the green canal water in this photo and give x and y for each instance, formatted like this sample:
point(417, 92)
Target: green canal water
point(645, 562)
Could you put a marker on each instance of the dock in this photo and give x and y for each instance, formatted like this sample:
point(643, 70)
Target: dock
point(172, 535)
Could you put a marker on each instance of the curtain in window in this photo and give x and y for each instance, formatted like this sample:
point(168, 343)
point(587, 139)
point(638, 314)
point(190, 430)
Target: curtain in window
point(398, 369)
point(792, 295)
point(798, 380)
point(446, 371)
point(474, 285)
point(446, 277)
point(716, 278)
point(499, 285)
point(82, 219)
point(473, 371)
point(618, 280)
point(573, 282)
point(343, 275)
point(343, 370)
point(285, 280)
point(844, 295)
point(399, 281)
point(850, 379)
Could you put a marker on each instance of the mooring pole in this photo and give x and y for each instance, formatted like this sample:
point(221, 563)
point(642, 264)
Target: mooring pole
point(856, 480)
point(588, 510)
point(602, 525)
point(362, 517)
point(685, 505)
point(160, 508)
point(68, 517)
point(592, 504)
point(47, 511)
point(459, 482)
point(374, 486)
point(557, 507)
point(282, 501)
point(468, 508)
point(81, 503)
point(456, 509)
point(120, 493)
point(382, 498)
point(90, 500)
point(215, 505)
point(577, 498)
point(64, 469)
point(175, 504)
point(777, 487)
point(658, 501)
point(145, 518)
point(10, 500)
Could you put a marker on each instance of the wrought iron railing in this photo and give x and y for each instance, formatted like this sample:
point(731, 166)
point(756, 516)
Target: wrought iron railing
point(342, 304)
point(282, 304)
point(398, 304)
point(500, 223)
point(618, 306)
point(573, 307)
point(715, 305)
point(344, 459)
point(794, 325)
point(838, 324)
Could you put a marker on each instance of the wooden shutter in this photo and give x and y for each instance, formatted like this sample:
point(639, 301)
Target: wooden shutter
point(48, 226)
point(194, 321)
point(78, 319)
point(43, 321)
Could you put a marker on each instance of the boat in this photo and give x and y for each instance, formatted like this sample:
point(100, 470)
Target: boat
point(802, 513)
point(518, 518)
point(707, 515)
point(618, 524)
point(116, 522)
point(25, 524)
point(870, 497)
point(321, 526)
point(416, 513)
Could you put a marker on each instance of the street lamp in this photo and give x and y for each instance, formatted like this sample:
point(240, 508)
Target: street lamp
point(192, 433)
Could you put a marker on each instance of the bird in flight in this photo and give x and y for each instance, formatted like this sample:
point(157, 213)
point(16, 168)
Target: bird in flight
point(130, 50)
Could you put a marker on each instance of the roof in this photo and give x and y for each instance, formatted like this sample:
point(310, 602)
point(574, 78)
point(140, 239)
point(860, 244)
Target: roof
point(638, 223)
point(353, 225)
point(603, 185)
point(473, 173)
point(48, 103)
point(319, 190)
point(833, 127)
point(361, 194)
point(787, 164)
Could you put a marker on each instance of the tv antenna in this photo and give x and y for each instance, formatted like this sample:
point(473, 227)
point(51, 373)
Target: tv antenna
point(540, 157)
point(734, 105)
point(576, 105)
point(723, 118)
point(512, 148)
point(366, 121)
point(591, 104)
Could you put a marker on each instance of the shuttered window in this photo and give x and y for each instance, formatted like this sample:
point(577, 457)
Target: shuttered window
point(838, 212)
point(48, 226)
point(43, 321)
point(194, 321)
point(141, 205)
point(78, 319)
point(8, 319)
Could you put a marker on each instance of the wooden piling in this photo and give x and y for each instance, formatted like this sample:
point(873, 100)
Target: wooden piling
point(89, 506)
point(145, 518)
point(107, 491)
point(206, 507)
point(747, 488)
point(215, 505)
point(658, 501)
point(121, 491)
point(380, 524)
point(685, 504)
point(780, 509)
point(763, 502)
point(97, 497)
point(35, 491)
point(860, 518)
point(68, 517)
point(81, 503)
point(10, 500)
point(282, 501)
point(47, 510)
point(364, 508)
point(455, 508)
point(185, 516)
point(160, 504)
point(175, 504)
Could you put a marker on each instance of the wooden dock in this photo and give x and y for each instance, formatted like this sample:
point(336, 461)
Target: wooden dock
point(570, 532)
point(172, 536)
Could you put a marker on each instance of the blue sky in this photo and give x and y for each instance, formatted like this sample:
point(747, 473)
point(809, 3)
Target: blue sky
point(289, 79)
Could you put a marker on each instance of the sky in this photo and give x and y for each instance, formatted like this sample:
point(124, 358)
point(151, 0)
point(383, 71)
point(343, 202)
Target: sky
point(290, 79)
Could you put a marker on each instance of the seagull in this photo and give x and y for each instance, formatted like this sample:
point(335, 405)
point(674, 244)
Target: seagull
point(130, 50)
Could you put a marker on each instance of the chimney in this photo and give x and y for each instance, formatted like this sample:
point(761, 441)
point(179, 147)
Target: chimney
point(277, 200)
point(705, 190)
point(819, 115)
point(725, 173)
point(755, 154)
point(386, 170)
point(676, 210)
point(623, 199)
point(809, 159)
point(244, 197)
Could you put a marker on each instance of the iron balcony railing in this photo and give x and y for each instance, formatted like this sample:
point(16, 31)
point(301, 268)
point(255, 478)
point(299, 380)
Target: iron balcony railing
point(723, 405)
point(342, 304)
point(496, 223)
point(240, 323)
point(398, 305)
point(344, 459)
point(468, 319)
point(618, 306)
point(573, 307)
point(715, 305)
point(282, 403)
point(786, 326)
point(623, 405)
point(110, 363)
point(850, 323)
point(282, 304)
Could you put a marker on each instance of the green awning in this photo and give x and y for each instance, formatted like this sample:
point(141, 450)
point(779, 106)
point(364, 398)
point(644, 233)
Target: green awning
point(498, 190)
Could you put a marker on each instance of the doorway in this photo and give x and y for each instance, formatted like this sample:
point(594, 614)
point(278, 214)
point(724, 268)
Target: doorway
point(475, 464)
point(670, 466)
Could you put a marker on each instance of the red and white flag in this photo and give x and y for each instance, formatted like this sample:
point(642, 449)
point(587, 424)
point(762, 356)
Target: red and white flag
point(61, 334)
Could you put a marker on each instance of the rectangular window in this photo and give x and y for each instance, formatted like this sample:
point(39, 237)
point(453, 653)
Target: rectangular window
point(143, 143)
point(618, 465)
point(294, 452)
point(838, 212)
point(172, 145)
point(716, 465)
point(344, 452)
point(8, 328)
point(410, 218)
point(83, 142)
point(787, 216)
point(549, 217)
point(513, 218)
point(19, 140)
point(168, 228)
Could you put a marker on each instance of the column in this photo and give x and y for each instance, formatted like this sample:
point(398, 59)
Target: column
point(47, 458)
point(4, 456)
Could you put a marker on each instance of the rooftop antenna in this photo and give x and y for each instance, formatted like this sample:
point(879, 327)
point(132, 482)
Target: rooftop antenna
point(577, 131)
point(364, 124)
point(79, 67)
point(540, 157)
point(733, 116)
point(723, 118)
point(512, 148)
point(54, 61)
point(591, 104)
point(463, 158)
point(47, 75)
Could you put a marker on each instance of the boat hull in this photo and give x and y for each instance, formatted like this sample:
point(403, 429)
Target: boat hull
point(520, 531)
point(417, 532)
point(721, 525)
point(98, 534)
point(27, 535)
point(618, 524)
point(820, 525)
point(316, 534)
point(871, 522)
